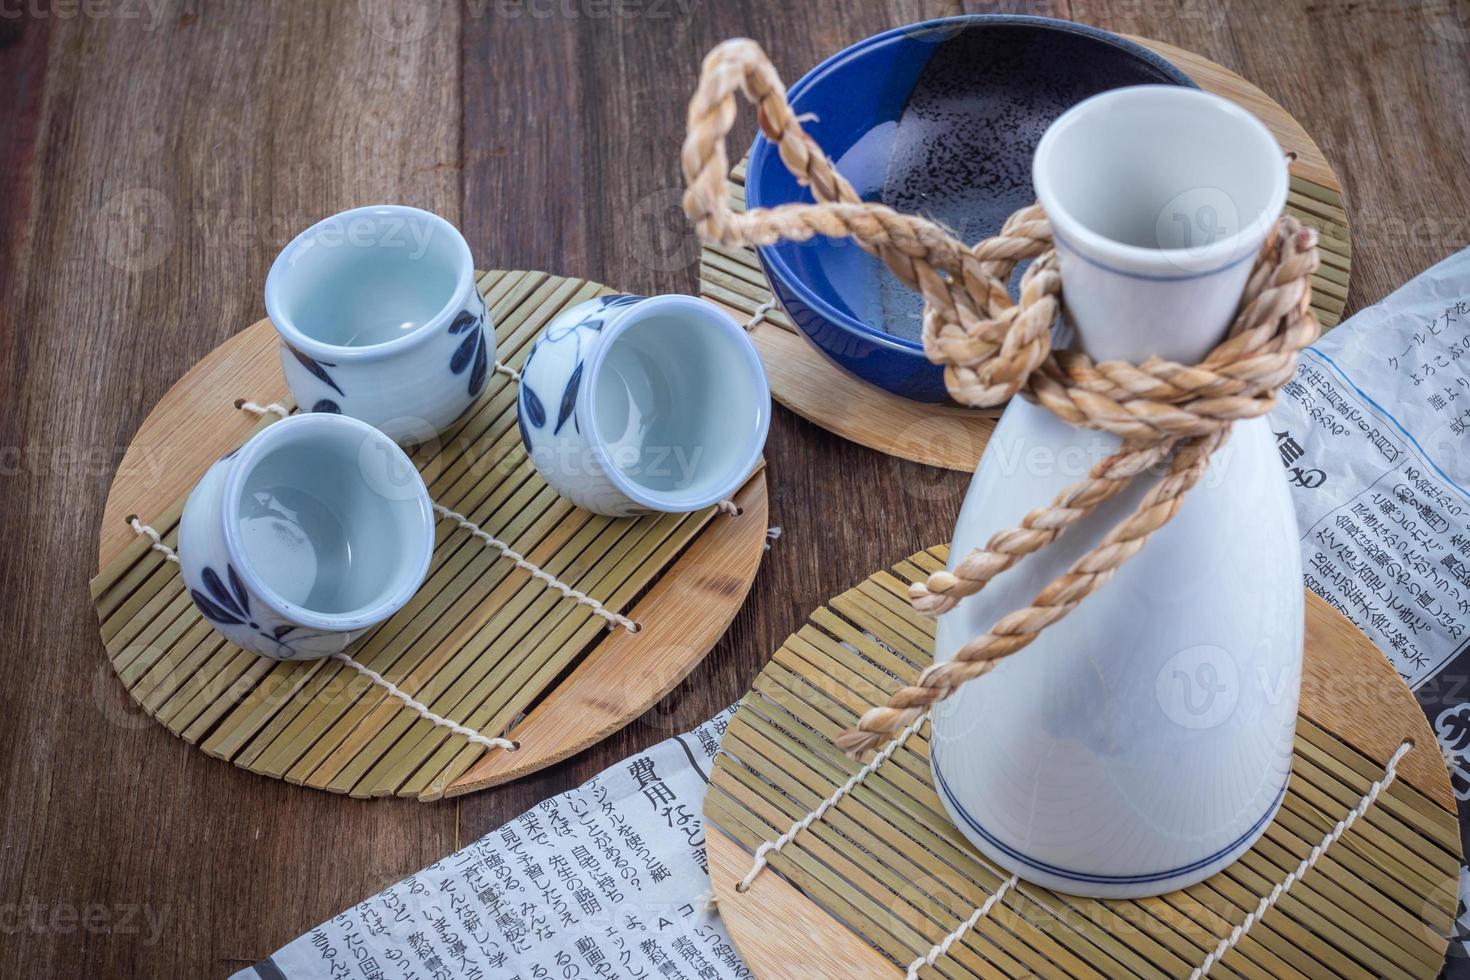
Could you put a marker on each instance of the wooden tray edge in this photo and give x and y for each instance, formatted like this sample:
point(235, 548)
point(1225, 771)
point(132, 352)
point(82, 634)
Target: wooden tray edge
point(812, 943)
point(191, 438)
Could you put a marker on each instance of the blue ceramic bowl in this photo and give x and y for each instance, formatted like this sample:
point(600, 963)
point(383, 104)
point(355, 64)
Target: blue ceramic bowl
point(941, 119)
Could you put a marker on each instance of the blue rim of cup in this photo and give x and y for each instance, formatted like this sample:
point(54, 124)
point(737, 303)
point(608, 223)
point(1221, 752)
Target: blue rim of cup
point(776, 264)
point(280, 268)
point(244, 462)
point(673, 503)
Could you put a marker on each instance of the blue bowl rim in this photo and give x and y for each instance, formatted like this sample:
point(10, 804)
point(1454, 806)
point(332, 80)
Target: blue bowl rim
point(776, 265)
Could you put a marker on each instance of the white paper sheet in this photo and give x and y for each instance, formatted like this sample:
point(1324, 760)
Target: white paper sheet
point(601, 881)
point(1374, 435)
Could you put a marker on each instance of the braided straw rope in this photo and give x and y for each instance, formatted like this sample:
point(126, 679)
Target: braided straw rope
point(993, 348)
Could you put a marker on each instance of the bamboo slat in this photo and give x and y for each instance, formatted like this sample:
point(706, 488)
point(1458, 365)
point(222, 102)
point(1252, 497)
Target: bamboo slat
point(884, 875)
point(481, 642)
point(950, 436)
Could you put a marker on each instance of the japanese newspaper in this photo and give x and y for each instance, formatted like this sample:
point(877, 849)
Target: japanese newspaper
point(603, 881)
point(1374, 436)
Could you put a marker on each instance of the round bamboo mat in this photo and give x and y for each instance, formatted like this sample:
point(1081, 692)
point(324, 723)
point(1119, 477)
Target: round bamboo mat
point(482, 643)
point(884, 875)
point(950, 436)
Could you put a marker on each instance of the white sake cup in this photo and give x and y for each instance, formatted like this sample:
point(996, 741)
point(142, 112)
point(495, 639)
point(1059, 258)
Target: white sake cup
point(1152, 241)
point(379, 319)
point(632, 405)
point(301, 540)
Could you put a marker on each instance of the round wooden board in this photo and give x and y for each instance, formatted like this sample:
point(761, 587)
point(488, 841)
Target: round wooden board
point(482, 643)
point(884, 875)
point(950, 436)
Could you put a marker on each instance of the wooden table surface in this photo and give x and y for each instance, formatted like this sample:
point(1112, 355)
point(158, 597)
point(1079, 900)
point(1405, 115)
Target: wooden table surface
point(155, 154)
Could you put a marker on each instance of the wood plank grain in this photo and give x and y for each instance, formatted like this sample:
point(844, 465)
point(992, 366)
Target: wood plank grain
point(175, 151)
point(553, 141)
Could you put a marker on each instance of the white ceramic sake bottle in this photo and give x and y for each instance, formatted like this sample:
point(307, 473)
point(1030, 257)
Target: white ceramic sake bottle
point(1143, 742)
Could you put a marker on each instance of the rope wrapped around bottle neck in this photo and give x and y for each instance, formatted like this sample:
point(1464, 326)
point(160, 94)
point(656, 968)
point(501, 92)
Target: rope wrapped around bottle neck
point(994, 348)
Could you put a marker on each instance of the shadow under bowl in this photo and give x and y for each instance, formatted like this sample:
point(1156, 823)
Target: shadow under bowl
point(940, 119)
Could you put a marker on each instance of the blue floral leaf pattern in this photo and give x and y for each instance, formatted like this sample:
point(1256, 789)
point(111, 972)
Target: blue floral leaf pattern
point(608, 303)
point(284, 648)
point(317, 368)
point(220, 593)
point(568, 399)
point(481, 368)
point(463, 322)
point(525, 435)
point(239, 589)
point(328, 406)
point(593, 320)
point(229, 606)
point(461, 358)
point(534, 409)
point(213, 612)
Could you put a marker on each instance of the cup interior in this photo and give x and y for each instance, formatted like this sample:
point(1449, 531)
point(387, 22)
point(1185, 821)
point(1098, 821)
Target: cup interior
point(1160, 168)
point(679, 403)
point(320, 525)
point(368, 277)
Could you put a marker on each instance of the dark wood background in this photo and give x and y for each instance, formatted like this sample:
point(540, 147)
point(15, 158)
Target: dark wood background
point(155, 154)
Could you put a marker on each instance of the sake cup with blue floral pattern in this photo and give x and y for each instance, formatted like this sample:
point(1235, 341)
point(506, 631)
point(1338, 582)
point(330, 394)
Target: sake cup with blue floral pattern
point(379, 319)
point(307, 536)
point(636, 405)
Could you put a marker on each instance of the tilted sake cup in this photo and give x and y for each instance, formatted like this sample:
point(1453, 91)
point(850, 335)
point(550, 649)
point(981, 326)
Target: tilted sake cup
point(379, 319)
point(298, 542)
point(636, 405)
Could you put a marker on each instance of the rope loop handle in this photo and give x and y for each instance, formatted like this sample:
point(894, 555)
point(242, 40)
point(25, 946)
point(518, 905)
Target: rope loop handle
point(994, 348)
point(959, 284)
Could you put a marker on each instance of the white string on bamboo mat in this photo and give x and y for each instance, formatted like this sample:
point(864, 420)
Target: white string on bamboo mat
point(1390, 773)
point(272, 408)
point(419, 707)
point(423, 709)
point(942, 947)
point(759, 314)
point(144, 530)
point(503, 368)
point(551, 581)
point(770, 846)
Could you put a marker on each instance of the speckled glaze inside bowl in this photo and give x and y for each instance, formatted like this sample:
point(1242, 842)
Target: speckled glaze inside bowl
point(941, 119)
